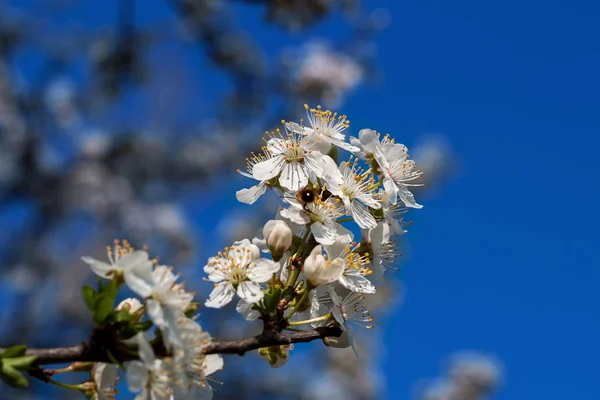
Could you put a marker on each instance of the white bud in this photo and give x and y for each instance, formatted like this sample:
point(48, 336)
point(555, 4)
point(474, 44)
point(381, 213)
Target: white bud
point(278, 237)
point(130, 304)
point(340, 342)
point(320, 271)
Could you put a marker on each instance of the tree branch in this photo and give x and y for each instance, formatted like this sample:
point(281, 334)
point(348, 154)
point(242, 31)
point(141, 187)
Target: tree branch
point(90, 352)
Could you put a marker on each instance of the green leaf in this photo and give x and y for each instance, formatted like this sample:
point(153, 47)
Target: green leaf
point(12, 377)
point(111, 287)
point(14, 351)
point(192, 308)
point(20, 363)
point(103, 306)
point(88, 296)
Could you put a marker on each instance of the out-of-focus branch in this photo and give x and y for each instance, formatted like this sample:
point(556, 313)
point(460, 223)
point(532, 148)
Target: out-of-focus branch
point(91, 351)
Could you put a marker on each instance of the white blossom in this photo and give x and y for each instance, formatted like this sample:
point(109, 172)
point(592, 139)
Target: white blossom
point(321, 271)
point(322, 216)
point(382, 247)
point(131, 304)
point(104, 377)
point(392, 215)
point(123, 259)
point(398, 171)
point(149, 374)
point(166, 300)
point(292, 158)
point(238, 269)
point(250, 195)
point(355, 267)
point(355, 188)
point(325, 127)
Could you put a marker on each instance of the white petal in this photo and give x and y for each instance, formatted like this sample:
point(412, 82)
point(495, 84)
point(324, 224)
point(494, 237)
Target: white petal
point(391, 190)
point(134, 260)
point(212, 363)
point(293, 176)
point(250, 195)
point(407, 197)
point(331, 173)
point(361, 215)
point(322, 234)
point(315, 162)
point(155, 312)
point(216, 269)
point(368, 139)
point(380, 234)
point(104, 375)
point(137, 376)
point(220, 295)
point(262, 270)
point(265, 170)
point(145, 350)
point(297, 216)
point(250, 292)
point(139, 285)
point(100, 268)
point(245, 310)
point(353, 280)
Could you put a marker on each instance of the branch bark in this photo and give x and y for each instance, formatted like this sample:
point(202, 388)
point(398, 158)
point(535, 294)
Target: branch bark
point(88, 351)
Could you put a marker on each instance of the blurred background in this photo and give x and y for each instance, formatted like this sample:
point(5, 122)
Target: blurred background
point(128, 119)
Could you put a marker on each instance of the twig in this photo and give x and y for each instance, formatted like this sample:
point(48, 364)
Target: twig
point(87, 351)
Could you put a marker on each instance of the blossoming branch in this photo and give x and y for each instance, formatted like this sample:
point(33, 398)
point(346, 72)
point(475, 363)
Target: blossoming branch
point(306, 278)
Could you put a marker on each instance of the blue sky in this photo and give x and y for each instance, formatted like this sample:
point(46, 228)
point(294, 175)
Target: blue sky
point(503, 258)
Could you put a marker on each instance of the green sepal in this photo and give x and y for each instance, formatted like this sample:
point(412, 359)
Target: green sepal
point(123, 316)
point(88, 294)
point(11, 376)
point(14, 351)
point(333, 153)
point(192, 308)
point(20, 363)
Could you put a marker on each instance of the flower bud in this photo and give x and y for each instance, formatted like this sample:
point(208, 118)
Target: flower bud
point(278, 237)
point(320, 271)
point(131, 304)
point(276, 356)
point(340, 342)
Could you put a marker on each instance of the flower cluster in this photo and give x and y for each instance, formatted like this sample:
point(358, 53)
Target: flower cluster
point(185, 373)
point(311, 241)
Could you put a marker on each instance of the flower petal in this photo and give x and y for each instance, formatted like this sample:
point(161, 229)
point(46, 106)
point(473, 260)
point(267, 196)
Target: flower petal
point(353, 280)
point(220, 295)
point(212, 363)
point(250, 195)
point(137, 376)
point(246, 311)
point(262, 270)
point(293, 176)
point(270, 168)
point(250, 292)
point(361, 215)
point(100, 268)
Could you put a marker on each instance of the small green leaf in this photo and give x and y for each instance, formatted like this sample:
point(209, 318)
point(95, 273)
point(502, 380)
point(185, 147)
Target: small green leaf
point(12, 377)
point(111, 287)
point(20, 363)
point(88, 296)
point(103, 306)
point(14, 351)
point(192, 308)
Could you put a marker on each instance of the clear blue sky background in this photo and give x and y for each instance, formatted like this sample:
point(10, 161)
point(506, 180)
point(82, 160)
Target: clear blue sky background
point(504, 259)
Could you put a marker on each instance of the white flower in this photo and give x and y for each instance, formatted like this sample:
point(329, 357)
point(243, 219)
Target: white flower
point(194, 365)
point(238, 269)
point(323, 215)
point(393, 161)
point(123, 259)
point(166, 300)
point(392, 216)
point(278, 237)
point(369, 143)
point(292, 159)
point(382, 247)
point(131, 304)
point(355, 188)
point(321, 271)
point(351, 309)
point(104, 377)
point(325, 127)
point(250, 195)
point(354, 267)
point(148, 375)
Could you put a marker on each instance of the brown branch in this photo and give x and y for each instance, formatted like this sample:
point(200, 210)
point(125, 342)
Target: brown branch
point(89, 352)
